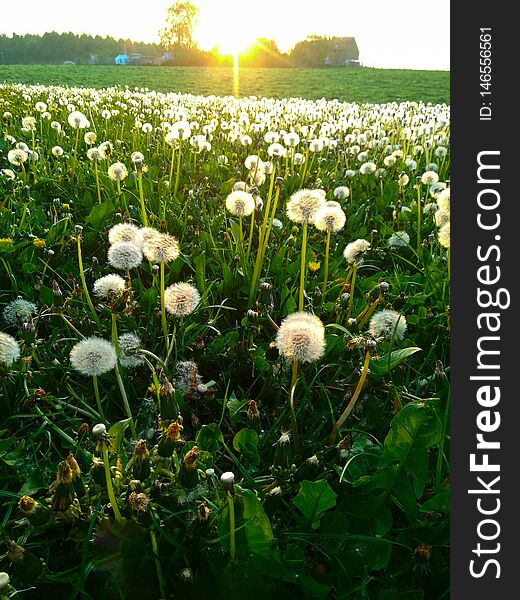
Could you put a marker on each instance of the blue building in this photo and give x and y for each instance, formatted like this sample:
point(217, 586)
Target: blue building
point(122, 59)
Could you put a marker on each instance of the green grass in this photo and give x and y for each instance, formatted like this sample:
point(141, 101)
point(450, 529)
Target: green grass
point(353, 85)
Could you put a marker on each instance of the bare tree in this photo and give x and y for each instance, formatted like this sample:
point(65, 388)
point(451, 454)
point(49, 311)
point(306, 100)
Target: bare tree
point(181, 19)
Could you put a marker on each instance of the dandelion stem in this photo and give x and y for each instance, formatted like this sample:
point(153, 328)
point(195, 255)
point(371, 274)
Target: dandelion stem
point(231, 505)
point(303, 266)
point(291, 404)
point(110, 489)
point(418, 218)
point(326, 267)
point(98, 398)
point(97, 182)
point(163, 310)
point(119, 379)
point(177, 175)
point(84, 283)
point(352, 289)
point(144, 217)
point(158, 568)
point(353, 400)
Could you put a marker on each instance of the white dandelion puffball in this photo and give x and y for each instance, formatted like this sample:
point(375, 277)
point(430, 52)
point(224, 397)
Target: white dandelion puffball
point(304, 204)
point(301, 337)
point(17, 157)
point(124, 232)
point(124, 255)
point(93, 356)
point(367, 168)
point(181, 299)
point(441, 217)
point(77, 120)
point(355, 250)
point(109, 286)
point(429, 177)
point(90, 138)
point(160, 247)
point(117, 171)
point(187, 376)
point(9, 349)
point(386, 324)
point(443, 201)
point(240, 204)
point(18, 312)
point(342, 192)
point(95, 155)
point(400, 239)
point(57, 151)
point(444, 235)
point(129, 343)
point(330, 217)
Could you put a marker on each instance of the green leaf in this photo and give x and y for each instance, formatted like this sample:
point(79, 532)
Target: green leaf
point(99, 214)
point(439, 503)
point(246, 442)
point(314, 499)
point(235, 406)
point(209, 437)
point(384, 364)
point(115, 436)
point(257, 527)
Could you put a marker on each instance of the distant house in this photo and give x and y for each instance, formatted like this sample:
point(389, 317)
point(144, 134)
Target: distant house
point(134, 58)
point(318, 51)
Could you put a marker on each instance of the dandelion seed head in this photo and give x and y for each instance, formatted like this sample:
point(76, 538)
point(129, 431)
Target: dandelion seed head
point(301, 337)
point(17, 157)
point(240, 204)
point(94, 155)
point(90, 138)
point(355, 250)
point(129, 343)
point(429, 177)
point(444, 235)
point(400, 239)
point(187, 378)
point(93, 356)
point(443, 200)
point(124, 255)
point(441, 218)
point(160, 247)
point(181, 299)
point(124, 232)
point(117, 171)
point(18, 312)
point(109, 286)
point(342, 192)
point(386, 324)
point(77, 120)
point(367, 168)
point(9, 349)
point(330, 217)
point(304, 204)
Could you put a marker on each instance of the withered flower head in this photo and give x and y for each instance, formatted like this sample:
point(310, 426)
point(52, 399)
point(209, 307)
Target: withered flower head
point(252, 410)
point(73, 465)
point(203, 512)
point(27, 504)
point(190, 458)
point(138, 501)
point(140, 451)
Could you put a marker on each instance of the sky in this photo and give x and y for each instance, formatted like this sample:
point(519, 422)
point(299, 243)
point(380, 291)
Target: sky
point(390, 34)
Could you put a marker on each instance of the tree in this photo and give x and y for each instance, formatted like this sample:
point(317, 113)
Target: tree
point(180, 22)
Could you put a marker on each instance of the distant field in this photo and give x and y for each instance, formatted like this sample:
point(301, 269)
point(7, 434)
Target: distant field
point(355, 85)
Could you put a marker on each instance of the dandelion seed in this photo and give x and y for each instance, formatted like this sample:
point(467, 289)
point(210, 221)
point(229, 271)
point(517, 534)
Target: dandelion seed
point(17, 157)
point(443, 200)
point(429, 177)
point(77, 120)
point(400, 239)
point(444, 235)
point(93, 356)
point(342, 192)
point(301, 337)
point(330, 217)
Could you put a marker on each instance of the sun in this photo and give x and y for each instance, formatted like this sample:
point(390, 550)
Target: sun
point(226, 26)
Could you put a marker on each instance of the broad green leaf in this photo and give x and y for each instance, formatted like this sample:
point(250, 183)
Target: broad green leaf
point(115, 436)
point(384, 364)
point(439, 503)
point(209, 437)
point(246, 442)
point(314, 499)
point(235, 406)
point(257, 527)
point(99, 214)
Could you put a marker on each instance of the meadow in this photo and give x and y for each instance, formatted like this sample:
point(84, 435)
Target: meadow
point(224, 346)
point(352, 85)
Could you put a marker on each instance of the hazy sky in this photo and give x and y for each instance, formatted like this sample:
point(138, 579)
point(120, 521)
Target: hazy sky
point(398, 33)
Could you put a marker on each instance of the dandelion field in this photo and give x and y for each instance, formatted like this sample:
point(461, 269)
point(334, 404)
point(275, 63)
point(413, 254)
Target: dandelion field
point(224, 346)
